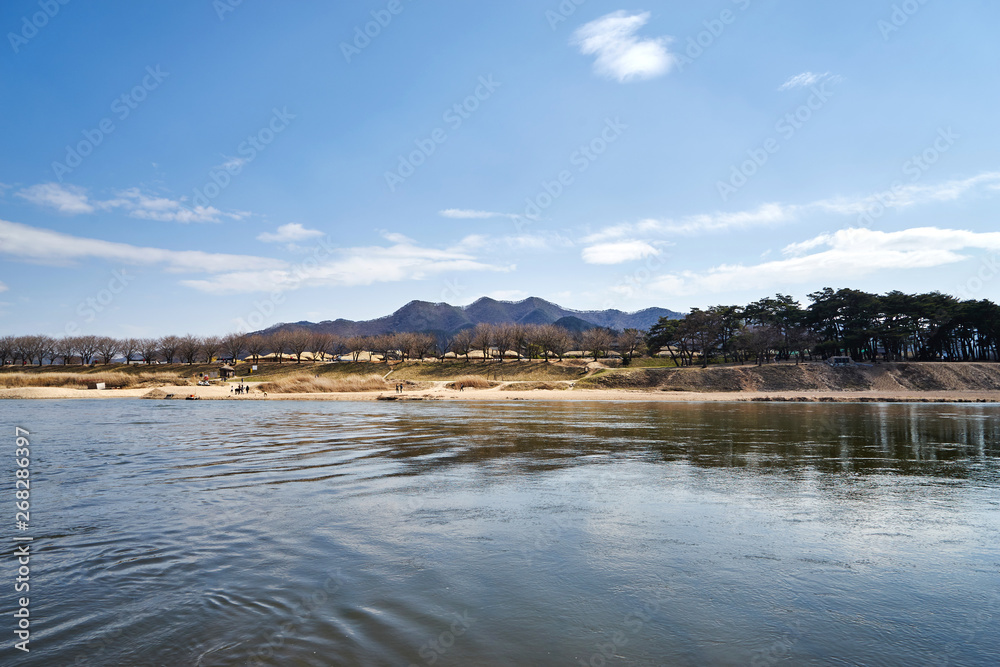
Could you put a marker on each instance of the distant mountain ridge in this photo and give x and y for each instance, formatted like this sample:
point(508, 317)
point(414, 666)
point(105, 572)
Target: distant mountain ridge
point(444, 319)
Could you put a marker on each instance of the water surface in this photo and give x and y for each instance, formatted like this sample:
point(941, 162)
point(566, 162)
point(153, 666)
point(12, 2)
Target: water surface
point(300, 533)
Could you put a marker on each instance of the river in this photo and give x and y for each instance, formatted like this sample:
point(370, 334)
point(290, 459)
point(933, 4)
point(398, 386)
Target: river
point(507, 533)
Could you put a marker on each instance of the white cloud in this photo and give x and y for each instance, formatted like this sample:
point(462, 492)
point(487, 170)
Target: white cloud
point(65, 199)
point(42, 245)
point(846, 254)
point(808, 79)
point(404, 260)
point(900, 197)
point(149, 207)
point(542, 241)
point(701, 223)
point(618, 252)
point(233, 164)
point(3, 287)
point(905, 196)
point(467, 214)
point(330, 266)
point(74, 200)
point(620, 54)
point(289, 233)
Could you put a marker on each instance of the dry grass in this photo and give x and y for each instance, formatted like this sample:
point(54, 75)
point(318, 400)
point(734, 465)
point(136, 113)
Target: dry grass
point(455, 370)
point(302, 384)
point(471, 382)
point(530, 386)
point(111, 379)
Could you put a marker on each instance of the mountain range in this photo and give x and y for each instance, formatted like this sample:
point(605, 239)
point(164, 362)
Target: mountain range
point(444, 319)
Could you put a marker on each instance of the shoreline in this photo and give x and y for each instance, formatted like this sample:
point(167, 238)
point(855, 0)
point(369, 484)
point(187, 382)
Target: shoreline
point(219, 393)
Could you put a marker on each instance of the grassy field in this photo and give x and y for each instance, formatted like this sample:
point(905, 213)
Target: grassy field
point(505, 372)
point(112, 379)
point(304, 384)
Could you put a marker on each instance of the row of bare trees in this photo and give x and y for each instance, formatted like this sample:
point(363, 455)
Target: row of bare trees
point(534, 341)
point(494, 341)
point(37, 350)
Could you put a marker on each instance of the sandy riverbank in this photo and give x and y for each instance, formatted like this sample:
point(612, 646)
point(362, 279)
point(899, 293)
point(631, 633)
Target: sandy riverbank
point(439, 392)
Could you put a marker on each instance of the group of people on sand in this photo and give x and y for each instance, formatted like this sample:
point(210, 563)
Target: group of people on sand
point(241, 389)
point(399, 387)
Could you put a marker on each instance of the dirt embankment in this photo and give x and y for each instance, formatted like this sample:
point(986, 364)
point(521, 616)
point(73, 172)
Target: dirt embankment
point(913, 376)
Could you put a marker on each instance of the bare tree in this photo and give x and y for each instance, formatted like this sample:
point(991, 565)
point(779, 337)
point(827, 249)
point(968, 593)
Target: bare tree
point(86, 347)
point(168, 348)
point(522, 336)
point(6, 349)
point(801, 340)
point(46, 348)
point(461, 343)
point(504, 338)
point(234, 344)
point(630, 343)
point(129, 348)
point(65, 348)
point(356, 345)
point(759, 341)
point(189, 349)
point(256, 346)
point(399, 345)
point(555, 340)
point(37, 350)
point(321, 344)
point(210, 347)
point(299, 341)
point(482, 339)
point(598, 341)
point(420, 345)
point(277, 342)
point(27, 346)
point(148, 349)
point(107, 348)
point(382, 344)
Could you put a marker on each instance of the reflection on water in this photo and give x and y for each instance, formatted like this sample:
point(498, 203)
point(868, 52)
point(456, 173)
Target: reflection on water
point(292, 533)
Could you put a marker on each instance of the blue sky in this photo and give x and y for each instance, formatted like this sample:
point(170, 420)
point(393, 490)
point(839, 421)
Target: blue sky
point(206, 166)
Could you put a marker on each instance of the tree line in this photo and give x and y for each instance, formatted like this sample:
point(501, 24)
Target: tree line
point(495, 341)
point(846, 322)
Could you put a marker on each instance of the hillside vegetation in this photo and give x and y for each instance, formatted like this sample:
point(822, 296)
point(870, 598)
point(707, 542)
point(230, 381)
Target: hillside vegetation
point(910, 376)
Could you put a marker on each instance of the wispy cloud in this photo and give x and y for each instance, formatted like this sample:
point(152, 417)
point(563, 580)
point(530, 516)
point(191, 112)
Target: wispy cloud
point(289, 233)
point(74, 200)
point(467, 214)
point(620, 53)
point(3, 287)
point(808, 79)
point(846, 254)
point(542, 241)
point(28, 243)
point(233, 163)
point(912, 195)
point(618, 252)
point(775, 213)
point(698, 224)
point(404, 260)
point(63, 198)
